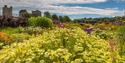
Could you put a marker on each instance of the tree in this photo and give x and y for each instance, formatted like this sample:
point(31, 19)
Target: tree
point(61, 19)
point(55, 17)
point(67, 19)
point(48, 15)
point(64, 19)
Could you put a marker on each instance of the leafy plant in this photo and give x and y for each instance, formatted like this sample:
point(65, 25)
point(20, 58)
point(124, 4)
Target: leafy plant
point(20, 37)
point(121, 40)
point(4, 38)
point(10, 30)
point(58, 46)
point(33, 30)
point(40, 22)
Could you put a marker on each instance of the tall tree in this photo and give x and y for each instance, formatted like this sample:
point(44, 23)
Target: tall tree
point(67, 19)
point(55, 17)
point(61, 19)
point(48, 15)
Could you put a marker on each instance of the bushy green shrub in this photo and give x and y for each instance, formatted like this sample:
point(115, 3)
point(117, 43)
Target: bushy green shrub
point(40, 22)
point(121, 40)
point(33, 30)
point(20, 37)
point(10, 30)
point(58, 46)
point(72, 25)
point(104, 34)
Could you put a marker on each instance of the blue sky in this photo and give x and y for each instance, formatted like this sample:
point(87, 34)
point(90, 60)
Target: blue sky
point(72, 8)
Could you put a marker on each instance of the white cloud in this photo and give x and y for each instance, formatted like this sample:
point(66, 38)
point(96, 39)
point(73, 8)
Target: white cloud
point(81, 10)
point(48, 2)
point(77, 1)
point(47, 5)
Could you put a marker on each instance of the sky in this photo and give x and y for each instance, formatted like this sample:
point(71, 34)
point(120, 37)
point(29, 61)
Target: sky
point(72, 8)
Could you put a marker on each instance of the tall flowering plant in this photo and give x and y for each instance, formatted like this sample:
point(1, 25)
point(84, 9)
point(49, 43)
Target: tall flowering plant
point(4, 38)
point(88, 30)
point(61, 25)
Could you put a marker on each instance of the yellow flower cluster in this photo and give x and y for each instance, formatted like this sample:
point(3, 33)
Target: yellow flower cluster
point(58, 46)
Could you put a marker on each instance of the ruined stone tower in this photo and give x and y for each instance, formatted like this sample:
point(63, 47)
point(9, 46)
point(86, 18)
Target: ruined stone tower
point(7, 11)
point(36, 13)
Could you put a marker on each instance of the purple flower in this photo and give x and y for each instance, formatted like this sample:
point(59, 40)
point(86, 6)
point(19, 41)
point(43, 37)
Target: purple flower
point(88, 30)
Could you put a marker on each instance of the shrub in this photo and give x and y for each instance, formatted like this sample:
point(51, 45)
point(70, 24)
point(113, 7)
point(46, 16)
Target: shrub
point(4, 38)
point(72, 25)
point(20, 37)
point(33, 30)
point(58, 46)
point(40, 22)
point(121, 40)
point(104, 34)
point(10, 30)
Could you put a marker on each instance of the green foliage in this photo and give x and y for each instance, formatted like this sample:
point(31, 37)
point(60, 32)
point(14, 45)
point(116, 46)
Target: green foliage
point(99, 20)
point(20, 37)
point(121, 40)
point(48, 15)
point(40, 22)
point(61, 19)
point(103, 34)
point(64, 19)
point(55, 17)
point(67, 18)
point(34, 30)
point(27, 15)
point(10, 30)
point(23, 13)
point(72, 25)
point(58, 46)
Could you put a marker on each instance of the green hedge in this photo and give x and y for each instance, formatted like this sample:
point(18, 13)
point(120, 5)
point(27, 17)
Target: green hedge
point(40, 22)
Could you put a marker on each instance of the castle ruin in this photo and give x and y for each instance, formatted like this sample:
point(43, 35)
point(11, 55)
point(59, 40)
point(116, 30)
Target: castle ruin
point(36, 13)
point(7, 11)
